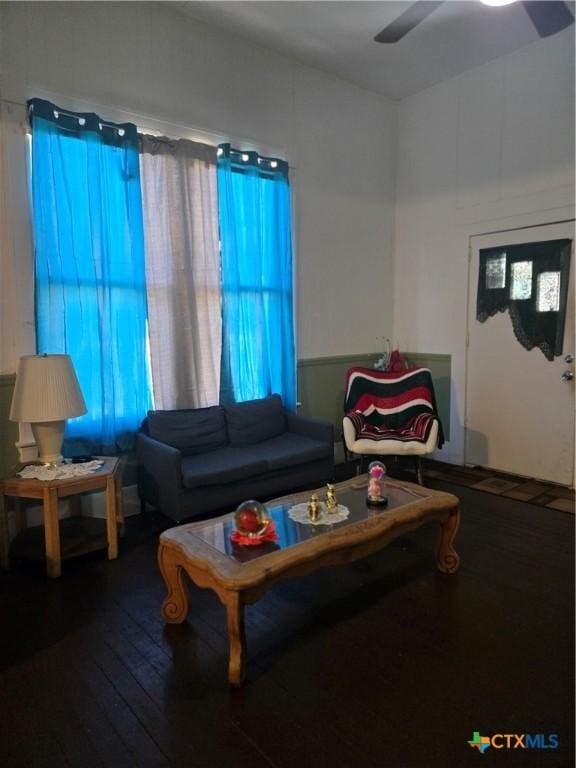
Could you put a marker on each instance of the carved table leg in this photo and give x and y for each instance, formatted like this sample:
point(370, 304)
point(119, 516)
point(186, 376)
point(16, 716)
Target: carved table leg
point(175, 605)
point(236, 637)
point(447, 557)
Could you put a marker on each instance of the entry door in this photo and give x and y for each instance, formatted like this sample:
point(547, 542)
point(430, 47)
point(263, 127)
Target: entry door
point(520, 411)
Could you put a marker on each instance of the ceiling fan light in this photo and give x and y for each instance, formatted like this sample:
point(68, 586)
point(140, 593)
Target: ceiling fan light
point(496, 3)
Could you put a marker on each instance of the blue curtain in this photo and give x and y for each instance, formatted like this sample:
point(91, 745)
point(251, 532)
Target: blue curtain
point(258, 352)
point(90, 275)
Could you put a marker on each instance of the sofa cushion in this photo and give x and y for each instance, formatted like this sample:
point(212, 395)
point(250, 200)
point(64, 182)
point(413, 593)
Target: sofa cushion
point(225, 465)
point(255, 420)
point(289, 450)
point(192, 431)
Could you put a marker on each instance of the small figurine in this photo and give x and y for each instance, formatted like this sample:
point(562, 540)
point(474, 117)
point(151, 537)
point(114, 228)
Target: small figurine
point(375, 494)
point(313, 509)
point(331, 502)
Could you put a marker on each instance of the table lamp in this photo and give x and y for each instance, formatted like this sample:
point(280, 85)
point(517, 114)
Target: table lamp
point(47, 393)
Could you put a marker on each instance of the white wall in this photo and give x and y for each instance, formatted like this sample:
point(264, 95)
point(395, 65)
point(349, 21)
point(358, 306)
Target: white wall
point(489, 150)
point(152, 61)
point(492, 149)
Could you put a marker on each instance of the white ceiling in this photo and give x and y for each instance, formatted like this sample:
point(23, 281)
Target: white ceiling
point(337, 37)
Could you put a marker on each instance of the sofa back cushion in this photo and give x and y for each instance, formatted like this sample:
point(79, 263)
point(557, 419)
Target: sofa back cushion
point(255, 420)
point(192, 431)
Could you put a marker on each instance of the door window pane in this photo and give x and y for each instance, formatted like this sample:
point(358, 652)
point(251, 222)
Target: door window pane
point(496, 271)
point(521, 287)
point(548, 292)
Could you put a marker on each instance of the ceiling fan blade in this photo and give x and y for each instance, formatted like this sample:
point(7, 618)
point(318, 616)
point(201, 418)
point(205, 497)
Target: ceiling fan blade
point(406, 22)
point(548, 16)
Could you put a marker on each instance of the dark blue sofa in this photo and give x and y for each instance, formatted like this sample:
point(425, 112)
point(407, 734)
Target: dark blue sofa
point(193, 462)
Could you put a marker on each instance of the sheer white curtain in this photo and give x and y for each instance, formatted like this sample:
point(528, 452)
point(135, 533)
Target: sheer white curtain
point(182, 270)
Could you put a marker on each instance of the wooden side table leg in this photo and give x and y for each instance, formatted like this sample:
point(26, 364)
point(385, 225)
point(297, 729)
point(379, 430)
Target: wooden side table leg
point(447, 557)
point(175, 605)
point(119, 500)
point(4, 535)
point(111, 526)
point(52, 533)
point(236, 637)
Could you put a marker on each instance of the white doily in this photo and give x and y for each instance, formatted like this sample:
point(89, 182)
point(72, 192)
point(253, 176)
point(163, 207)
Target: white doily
point(62, 472)
point(299, 513)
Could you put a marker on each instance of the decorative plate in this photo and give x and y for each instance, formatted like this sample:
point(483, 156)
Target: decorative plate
point(299, 513)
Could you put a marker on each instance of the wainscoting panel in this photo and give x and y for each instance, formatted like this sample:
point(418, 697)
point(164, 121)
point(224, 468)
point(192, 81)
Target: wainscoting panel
point(8, 429)
point(321, 384)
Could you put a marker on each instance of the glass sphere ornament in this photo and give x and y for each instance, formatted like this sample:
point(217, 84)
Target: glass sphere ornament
point(375, 495)
point(251, 518)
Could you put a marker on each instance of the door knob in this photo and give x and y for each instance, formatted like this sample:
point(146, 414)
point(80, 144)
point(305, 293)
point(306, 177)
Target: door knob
point(567, 376)
point(569, 359)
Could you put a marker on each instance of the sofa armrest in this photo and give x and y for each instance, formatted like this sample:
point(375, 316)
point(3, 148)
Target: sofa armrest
point(159, 467)
point(162, 461)
point(308, 427)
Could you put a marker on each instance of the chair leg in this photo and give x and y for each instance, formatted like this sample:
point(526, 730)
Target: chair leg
point(418, 464)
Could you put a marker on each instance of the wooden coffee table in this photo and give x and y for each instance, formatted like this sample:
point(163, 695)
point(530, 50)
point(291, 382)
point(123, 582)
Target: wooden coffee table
point(240, 575)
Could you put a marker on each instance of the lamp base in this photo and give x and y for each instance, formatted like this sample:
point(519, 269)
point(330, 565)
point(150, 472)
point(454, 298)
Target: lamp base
point(49, 436)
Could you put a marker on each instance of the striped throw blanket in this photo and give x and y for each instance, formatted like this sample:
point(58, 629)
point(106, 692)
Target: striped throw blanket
point(392, 405)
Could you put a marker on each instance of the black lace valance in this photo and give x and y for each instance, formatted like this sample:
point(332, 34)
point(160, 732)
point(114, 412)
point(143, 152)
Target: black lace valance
point(531, 281)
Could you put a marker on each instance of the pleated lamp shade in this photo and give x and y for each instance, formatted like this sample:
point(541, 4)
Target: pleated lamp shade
point(47, 393)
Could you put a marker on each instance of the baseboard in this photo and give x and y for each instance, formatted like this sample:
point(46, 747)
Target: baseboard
point(446, 457)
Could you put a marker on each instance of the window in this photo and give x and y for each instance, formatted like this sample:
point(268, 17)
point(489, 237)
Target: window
point(496, 272)
point(90, 287)
point(209, 305)
point(258, 357)
point(548, 292)
point(521, 287)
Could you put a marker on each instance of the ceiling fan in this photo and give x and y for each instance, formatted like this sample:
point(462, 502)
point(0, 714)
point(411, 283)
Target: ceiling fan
point(547, 16)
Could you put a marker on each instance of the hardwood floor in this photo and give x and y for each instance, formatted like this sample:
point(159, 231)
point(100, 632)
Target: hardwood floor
point(382, 663)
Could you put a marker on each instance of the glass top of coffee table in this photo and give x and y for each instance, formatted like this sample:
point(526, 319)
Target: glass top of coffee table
point(216, 533)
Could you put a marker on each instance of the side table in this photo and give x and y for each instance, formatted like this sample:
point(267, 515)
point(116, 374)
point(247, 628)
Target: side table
point(107, 478)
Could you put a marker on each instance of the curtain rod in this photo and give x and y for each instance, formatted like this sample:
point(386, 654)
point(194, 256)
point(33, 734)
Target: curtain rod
point(210, 135)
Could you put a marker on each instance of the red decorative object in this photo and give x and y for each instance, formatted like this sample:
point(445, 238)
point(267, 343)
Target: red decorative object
point(397, 362)
point(251, 518)
point(252, 540)
point(249, 521)
point(253, 526)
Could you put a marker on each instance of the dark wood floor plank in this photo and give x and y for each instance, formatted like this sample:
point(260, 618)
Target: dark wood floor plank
point(250, 727)
point(182, 738)
point(66, 725)
point(384, 662)
point(87, 716)
point(25, 732)
point(144, 751)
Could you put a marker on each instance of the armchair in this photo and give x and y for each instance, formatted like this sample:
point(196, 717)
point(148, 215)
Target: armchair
point(391, 414)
